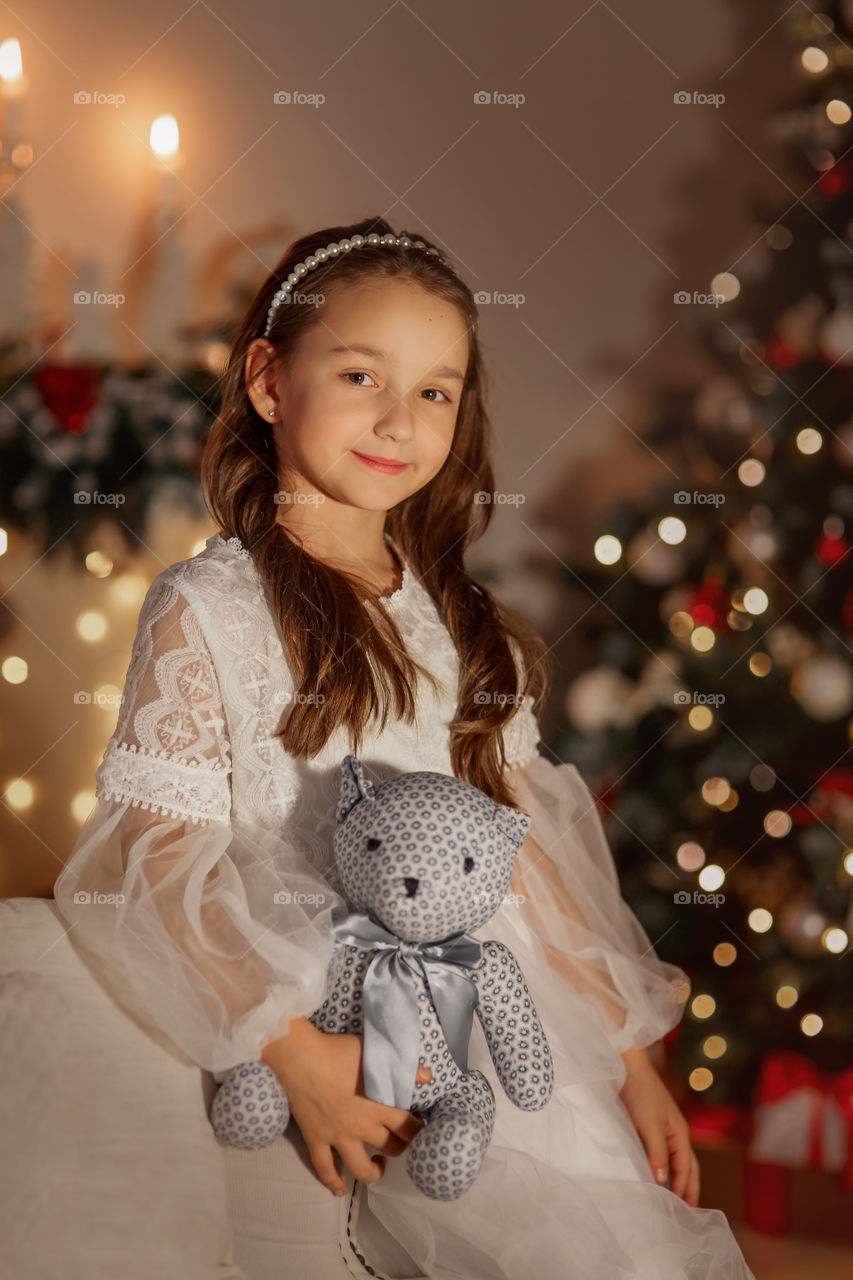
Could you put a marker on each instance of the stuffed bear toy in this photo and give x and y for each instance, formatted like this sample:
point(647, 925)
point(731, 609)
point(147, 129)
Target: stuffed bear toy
point(423, 858)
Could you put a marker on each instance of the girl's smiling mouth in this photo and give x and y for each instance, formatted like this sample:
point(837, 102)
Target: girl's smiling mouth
point(385, 465)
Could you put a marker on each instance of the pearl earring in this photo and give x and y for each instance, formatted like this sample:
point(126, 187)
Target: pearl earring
point(272, 413)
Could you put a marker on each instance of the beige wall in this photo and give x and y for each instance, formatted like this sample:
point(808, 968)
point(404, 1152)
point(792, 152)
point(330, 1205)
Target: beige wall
point(512, 194)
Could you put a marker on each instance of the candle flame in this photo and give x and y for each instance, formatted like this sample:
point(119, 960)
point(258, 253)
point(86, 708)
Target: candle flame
point(165, 138)
point(11, 64)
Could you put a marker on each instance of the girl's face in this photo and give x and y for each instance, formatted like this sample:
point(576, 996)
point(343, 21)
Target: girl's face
point(379, 374)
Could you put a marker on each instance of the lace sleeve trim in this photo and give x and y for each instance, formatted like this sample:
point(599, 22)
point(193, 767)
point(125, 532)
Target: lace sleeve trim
point(156, 780)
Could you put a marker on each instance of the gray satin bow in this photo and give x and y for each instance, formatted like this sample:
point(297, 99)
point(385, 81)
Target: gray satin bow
point(391, 1018)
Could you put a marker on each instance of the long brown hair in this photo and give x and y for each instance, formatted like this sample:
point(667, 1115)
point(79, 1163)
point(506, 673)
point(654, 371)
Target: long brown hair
point(339, 647)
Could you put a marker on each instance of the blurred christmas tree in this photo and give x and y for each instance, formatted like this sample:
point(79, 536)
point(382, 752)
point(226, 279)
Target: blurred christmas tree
point(717, 728)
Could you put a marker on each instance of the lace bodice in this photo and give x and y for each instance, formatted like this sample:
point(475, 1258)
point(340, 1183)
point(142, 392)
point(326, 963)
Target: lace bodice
point(210, 682)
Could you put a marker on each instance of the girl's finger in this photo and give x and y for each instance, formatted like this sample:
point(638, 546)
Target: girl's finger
point(692, 1193)
point(362, 1166)
point(404, 1123)
point(680, 1155)
point(323, 1161)
point(658, 1155)
point(388, 1143)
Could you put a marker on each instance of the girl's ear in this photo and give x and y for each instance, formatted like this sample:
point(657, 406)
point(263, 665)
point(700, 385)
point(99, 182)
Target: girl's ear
point(354, 787)
point(261, 381)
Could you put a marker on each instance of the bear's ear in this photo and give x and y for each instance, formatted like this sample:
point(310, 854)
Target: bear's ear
point(514, 823)
point(354, 787)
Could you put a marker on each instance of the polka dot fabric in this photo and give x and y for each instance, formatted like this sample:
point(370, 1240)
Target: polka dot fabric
point(428, 856)
point(253, 1110)
point(426, 853)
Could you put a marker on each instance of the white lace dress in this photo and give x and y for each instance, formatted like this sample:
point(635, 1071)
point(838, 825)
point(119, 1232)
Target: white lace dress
point(204, 871)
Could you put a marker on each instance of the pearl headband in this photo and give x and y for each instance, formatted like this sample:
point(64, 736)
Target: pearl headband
point(320, 256)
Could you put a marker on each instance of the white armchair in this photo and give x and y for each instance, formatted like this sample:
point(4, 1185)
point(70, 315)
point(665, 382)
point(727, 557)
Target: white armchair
point(111, 1166)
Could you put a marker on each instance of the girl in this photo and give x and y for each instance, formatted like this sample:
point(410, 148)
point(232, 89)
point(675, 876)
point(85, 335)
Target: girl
point(334, 614)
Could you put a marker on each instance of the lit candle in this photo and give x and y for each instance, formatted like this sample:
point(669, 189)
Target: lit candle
point(14, 86)
point(16, 242)
point(167, 282)
point(165, 142)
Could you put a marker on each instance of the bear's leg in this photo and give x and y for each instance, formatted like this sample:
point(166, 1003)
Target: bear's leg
point(250, 1108)
point(445, 1157)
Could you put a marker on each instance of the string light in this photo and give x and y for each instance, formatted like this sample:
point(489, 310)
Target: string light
point(91, 626)
point(715, 791)
point(681, 624)
point(99, 564)
point(128, 590)
point(811, 1024)
point(711, 877)
point(725, 953)
point(672, 530)
point(702, 639)
point(700, 718)
point(726, 286)
point(755, 601)
point(751, 472)
point(814, 60)
point(809, 440)
point(82, 805)
point(703, 1006)
point(835, 940)
point(760, 920)
point(14, 669)
point(607, 549)
point(700, 1078)
point(19, 794)
point(777, 823)
point(837, 112)
point(762, 777)
point(714, 1047)
point(787, 996)
point(691, 856)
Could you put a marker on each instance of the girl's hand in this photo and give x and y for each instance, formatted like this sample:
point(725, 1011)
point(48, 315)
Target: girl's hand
point(661, 1126)
point(322, 1077)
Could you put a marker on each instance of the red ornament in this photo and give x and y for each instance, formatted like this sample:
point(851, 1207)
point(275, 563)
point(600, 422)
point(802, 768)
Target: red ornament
point(834, 182)
point(708, 605)
point(831, 800)
point(831, 551)
point(70, 392)
point(779, 354)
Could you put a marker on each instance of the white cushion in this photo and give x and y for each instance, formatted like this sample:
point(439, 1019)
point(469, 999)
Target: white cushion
point(115, 1169)
point(112, 1168)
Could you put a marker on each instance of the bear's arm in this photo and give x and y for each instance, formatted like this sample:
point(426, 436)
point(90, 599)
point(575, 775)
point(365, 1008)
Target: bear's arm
point(514, 1034)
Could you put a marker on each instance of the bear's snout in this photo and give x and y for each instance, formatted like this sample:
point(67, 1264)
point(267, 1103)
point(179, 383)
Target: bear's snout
point(411, 886)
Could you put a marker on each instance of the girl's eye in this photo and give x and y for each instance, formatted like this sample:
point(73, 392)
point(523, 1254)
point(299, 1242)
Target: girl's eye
point(360, 373)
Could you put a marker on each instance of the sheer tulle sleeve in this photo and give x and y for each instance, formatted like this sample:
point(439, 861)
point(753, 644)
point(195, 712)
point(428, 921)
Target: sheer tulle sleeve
point(567, 891)
point(569, 896)
point(221, 926)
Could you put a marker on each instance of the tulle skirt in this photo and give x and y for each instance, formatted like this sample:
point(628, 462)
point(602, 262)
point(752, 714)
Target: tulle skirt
point(567, 1193)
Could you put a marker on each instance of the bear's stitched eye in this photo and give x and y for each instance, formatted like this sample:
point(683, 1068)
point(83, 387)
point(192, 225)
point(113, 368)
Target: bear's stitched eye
point(373, 843)
point(468, 864)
